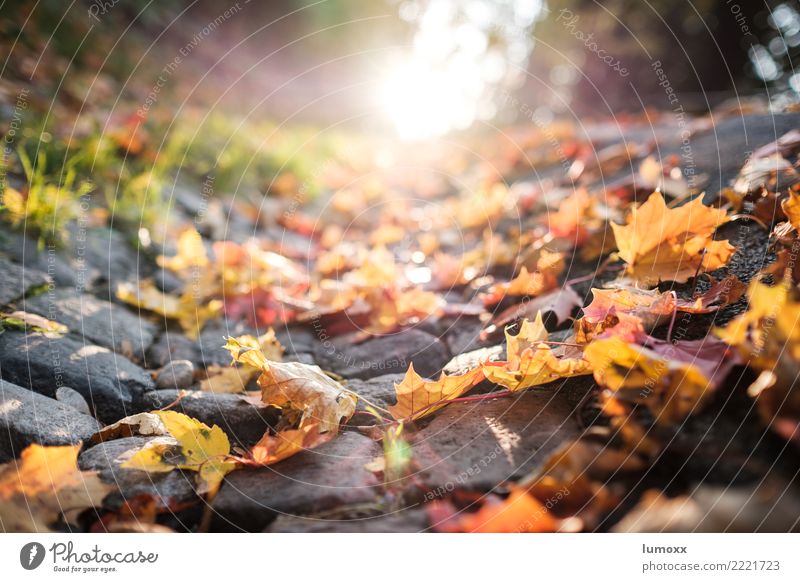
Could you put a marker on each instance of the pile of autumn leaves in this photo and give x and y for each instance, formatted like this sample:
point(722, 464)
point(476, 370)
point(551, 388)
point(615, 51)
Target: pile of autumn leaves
point(673, 379)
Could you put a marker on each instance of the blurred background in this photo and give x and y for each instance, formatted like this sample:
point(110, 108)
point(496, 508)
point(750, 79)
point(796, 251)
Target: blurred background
point(422, 67)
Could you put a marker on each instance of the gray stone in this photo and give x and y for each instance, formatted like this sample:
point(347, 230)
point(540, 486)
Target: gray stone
point(413, 520)
point(72, 398)
point(109, 382)
point(109, 256)
point(244, 423)
point(479, 445)
point(296, 340)
point(330, 476)
point(106, 458)
point(177, 374)
point(173, 346)
point(462, 334)
point(376, 391)
point(16, 280)
point(96, 321)
point(212, 338)
point(25, 251)
point(27, 418)
point(383, 355)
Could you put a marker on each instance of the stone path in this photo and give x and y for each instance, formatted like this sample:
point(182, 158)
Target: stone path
point(61, 389)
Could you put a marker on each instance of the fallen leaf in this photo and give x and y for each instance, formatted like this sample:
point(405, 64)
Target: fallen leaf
point(190, 315)
point(301, 387)
point(561, 302)
point(191, 254)
point(273, 448)
point(663, 244)
point(142, 424)
point(418, 397)
point(200, 449)
point(30, 321)
point(43, 485)
point(519, 513)
point(670, 388)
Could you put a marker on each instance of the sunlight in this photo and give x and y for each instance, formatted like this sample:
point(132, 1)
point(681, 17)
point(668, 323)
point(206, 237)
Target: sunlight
point(462, 53)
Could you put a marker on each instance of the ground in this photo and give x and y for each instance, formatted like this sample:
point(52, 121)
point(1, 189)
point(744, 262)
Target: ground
point(725, 468)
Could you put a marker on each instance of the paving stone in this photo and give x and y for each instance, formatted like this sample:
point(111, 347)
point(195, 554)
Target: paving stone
point(244, 423)
point(73, 399)
point(177, 374)
point(25, 251)
point(330, 476)
point(478, 445)
point(16, 280)
point(379, 391)
point(27, 418)
point(383, 355)
point(109, 382)
point(106, 458)
point(172, 345)
point(96, 321)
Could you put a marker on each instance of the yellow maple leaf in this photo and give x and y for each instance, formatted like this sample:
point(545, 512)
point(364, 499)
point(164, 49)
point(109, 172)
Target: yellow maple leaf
point(671, 244)
point(235, 378)
point(418, 397)
point(200, 449)
point(44, 484)
point(531, 362)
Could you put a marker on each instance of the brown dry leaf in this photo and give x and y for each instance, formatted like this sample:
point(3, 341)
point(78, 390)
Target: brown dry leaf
point(418, 397)
point(301, 387)
point(671, 244)
point(44, 484)
point(142, 424)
